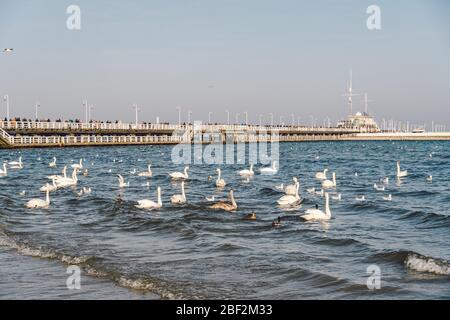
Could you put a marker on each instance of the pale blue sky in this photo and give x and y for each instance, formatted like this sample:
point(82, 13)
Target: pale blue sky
point(287, 56)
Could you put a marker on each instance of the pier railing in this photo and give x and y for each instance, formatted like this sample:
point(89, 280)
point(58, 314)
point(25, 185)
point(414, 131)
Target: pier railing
point(5, 136)
point(42, 125)
point(93, 140)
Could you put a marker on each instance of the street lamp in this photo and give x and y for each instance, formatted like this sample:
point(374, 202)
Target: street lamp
point(271, 119)
point(6, 98)
point(246, 118)
point(209, 117)
point(85, 105)
point(260, 120)
point(228, 116)
point(179, 115)
point(237, 118)
point(91, 107)
point(136, 110)
point(189, 116)
point(38, 105)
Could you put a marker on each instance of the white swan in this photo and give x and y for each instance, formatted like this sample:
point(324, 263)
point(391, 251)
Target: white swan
point(388, 198)
point(379, 188)
point(269, 170)
point(179, 198)
point(122, 183)
point(39, 203)
point(77, 165)
point(53, 163)
point(224, 205)
point(210, 198)
point(180, 175)
point(337, 197)
point(220, 183)
point(311, 190)
point(147, 173)
point(133, 171)
point(322, 175)
point(16, 163)
point(317, 214)
point(401, 174)
point(247, 172)
point(149, 204)
point(4, 172)
point(360, 198)
point(385, 180)
point(320, 193)
point(289, 200)
point(430, 178)
point(292, 188)
point(49, 187)
point(280, 187)
point(327, 184)
point(67, 182)
point(87, 190)
point(55, 176)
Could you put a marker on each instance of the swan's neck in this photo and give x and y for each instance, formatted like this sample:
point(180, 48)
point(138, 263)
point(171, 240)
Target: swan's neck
point(185, 171)
point(327, 205)
point(159, 197)
point(149, 168)
point(218, 177)
point(65, 172)
point(183, 194)
point(334, 178)
point(251, 168)
point(233, 202)
point(47, 196)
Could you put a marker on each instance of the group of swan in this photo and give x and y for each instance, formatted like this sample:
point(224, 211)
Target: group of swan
point(292, 196)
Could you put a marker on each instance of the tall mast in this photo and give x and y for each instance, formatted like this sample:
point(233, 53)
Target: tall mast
point(350, 93)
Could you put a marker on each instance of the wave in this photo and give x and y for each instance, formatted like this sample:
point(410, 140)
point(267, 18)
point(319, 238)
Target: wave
point(421, 263)
point(436, 219)
point(415, 261)
point(141, 283)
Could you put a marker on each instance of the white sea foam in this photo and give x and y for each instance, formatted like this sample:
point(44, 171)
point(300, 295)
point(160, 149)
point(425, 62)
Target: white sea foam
point(425, 264)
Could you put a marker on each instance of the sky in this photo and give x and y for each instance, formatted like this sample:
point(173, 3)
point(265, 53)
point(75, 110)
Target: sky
point(262, 56)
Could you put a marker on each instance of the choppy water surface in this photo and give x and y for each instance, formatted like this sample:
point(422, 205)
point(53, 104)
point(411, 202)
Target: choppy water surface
point(191, 251)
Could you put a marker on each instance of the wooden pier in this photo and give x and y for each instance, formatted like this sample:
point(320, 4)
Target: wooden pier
point(23, 134)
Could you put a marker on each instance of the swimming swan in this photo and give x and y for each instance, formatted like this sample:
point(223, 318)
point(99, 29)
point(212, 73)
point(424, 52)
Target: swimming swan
point(224, 205)
point(180, 175)
point(179, 198)
point(39, 203)
point(78, 165)
point(49, 187)
point(322, 175)
point(317, 214)
point(269, 170)
point(147, 173)
point(289, 200)
point(292, 188)
point(53, 163)
point(55, 176)
point(122, 183)
point(379, 188)
point(16, 163)
point(327, 184)
point(401, 174)
point(220, 183)
point(247, 172)
point(430, 178)
point(388, 198)
point(149, 204)
point(337, 197)
point(4, 172)
point(67, 182)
